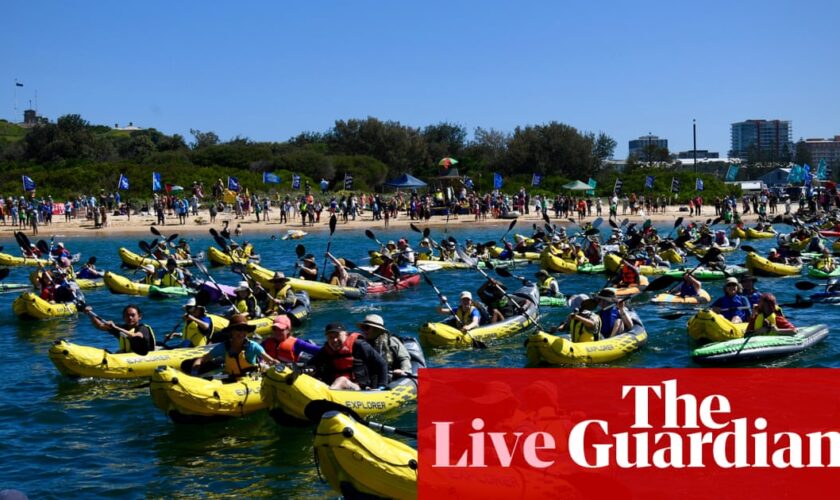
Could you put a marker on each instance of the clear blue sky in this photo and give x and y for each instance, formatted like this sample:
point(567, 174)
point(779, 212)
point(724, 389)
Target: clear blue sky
point(269, 70)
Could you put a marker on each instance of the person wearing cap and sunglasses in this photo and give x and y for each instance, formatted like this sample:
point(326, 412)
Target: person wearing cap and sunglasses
point(240, 354)
point(244, 302)
point(733, 306)
point(283, 346)
point(199, 328)
point(348, 362)
point(469, 317)
point(388, 346)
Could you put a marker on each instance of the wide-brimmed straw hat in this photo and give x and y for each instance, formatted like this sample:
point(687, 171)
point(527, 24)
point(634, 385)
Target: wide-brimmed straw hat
point(239, 322)
point(608, 294)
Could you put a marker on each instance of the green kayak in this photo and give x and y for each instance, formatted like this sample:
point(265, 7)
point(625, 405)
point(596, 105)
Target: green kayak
point(553, 301)
point(819, 273)
point(704, 274)
point(504, 263)
point(166, 292)
point(759, 346)
point(591, 269)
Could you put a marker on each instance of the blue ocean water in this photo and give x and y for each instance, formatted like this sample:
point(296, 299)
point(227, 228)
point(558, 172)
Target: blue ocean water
point(94, 438)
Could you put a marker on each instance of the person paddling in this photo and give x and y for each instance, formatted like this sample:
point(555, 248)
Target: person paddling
point(133, 334)
point(469, 317)
point(733, 306)
point(388, 346)
point(283, 346)
point(547, 284)
point(240, 354)
point(767, 318)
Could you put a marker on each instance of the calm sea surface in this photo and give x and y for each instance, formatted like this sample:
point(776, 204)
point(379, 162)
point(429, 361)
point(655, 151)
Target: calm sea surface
point(93, 438)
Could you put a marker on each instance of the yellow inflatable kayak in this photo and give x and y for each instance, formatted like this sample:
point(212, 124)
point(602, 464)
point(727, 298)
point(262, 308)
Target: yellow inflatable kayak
point(11, 260)
point(359, 463)
point(667, 298)
point(495, 251)
point(84, 284)
point(75, 360)
point(31, 306)
point(446, 334)
point(737, 232)
point(555, 263)
point(672, 255)
point(754, 234)
point(133, 260)
point(315, 289)
point(613, 261)
point(760, 266)
point(800, 245)
point(122, 285)
point(701, 250)
point(189, 399)
point(545, 348)
point(709, 326)
point(287, 392)
point(444, 264)
point(219, 258)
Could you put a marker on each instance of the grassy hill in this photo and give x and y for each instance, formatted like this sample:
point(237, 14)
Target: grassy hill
point(9, 132)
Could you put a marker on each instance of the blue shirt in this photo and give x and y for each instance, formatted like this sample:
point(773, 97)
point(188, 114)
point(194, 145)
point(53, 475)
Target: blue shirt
point(608, 319)
point(252, 352)
point(734, 306)
point(687, 290)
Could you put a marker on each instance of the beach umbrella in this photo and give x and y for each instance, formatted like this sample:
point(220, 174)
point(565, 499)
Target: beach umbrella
point(447, 162)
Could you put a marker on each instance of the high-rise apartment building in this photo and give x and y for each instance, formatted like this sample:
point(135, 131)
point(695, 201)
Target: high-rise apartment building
point(765, 139)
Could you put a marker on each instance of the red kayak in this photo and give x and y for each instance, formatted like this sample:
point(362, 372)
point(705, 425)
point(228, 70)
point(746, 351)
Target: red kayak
point(829, 234)
point(388, 286)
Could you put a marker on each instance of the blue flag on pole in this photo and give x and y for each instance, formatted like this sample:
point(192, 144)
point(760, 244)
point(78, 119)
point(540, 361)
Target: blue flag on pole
point(805, 176)
point(536, 179)
point(732, 173)
point(649, 182)
point(156, 186)
point(123, 183)
point(28, 183)
point(233, 184)
point(698, 184)
point(497, 181)
point(469, 183)
point(269, 178)
point(348, 182)
point(295, 181)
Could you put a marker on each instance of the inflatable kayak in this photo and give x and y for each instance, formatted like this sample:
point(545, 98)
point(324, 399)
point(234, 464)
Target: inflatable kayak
point(591, 268)
point(759, 346)
point(667, 298)
point(75, 360)
point(124, 286)
point(188, 399)
point(84, 283)
point(378, 288)
point(132, 260)
point(287, 391)
point(556, 264)
point(612, 262)
point(709, 326)
point(13, 287)
point(359, 463)
point(31, 306)
point(706, 274)
point(633, 290)
point(737, 232)
point(701, 250)
point(169, 292)
point(813, 272)
point(553, 301)
point(672, 255)
point(544, 348)
point(11, 260)
point(832, 297)
point(754, 234)
point(760, 266)
point(828, 233)
point(446, 333)
point(220, 258)
point(315, 289)
point(495, 251)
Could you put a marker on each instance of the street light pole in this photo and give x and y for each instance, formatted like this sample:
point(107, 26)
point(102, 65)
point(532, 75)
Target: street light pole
point(650, 150)
point(694, 132)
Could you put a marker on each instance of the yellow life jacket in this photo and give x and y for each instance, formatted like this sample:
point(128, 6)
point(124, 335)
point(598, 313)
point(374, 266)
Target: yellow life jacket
point(465, 316)
point(125, 344)
point(170, 279)
point(196, 337)
point(545, 286)
point(580, 333)
point(238, 365)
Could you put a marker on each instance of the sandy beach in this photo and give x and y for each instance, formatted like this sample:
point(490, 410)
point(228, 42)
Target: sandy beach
point(121, 225)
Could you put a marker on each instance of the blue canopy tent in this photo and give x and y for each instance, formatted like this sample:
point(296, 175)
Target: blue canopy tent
point(406, 181)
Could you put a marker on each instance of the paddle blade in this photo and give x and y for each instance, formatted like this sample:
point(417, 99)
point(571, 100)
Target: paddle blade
point(155, 231)
point(237, 268)
point(370, 234)
point(300, 250)
point(415, 228)
point(748, 248)
point(4, 273)
point(805, 285)
point(678, 222)
point(426, 232)
point(503, 272)
point(597, 222)
point(546, 219)
point(220, 241)
point(613, 224)
point(661, 283)
point(333, 222)
point(512, 223)
point(144, 246)
point(42, 246)
point(172, 238)
point(673, 316)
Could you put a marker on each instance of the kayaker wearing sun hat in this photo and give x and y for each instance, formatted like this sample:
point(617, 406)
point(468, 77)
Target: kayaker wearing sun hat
point(388, 346)
point(733, 306)
point(282, 298)
point(615, 318)
point(245, 302)
point(240, 354)
point(309, 269)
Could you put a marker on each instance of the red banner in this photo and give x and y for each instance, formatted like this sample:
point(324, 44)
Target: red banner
point(58, 209)
point(658, 433)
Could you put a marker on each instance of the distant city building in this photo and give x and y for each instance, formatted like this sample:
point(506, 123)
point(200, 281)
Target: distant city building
point(770, 139)
point(701, 153)
point(640, 145)
point(824, 149)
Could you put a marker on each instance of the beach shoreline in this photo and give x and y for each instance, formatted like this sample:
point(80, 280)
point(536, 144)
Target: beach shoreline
point(121, 225)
